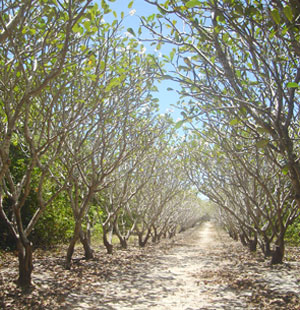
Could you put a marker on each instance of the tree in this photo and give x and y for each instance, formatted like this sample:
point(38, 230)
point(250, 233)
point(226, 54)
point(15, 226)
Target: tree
point(151, 201)
point(252, 191)
point(126, 183)
point(116, 91)
point(226, 65)
point(36, 42)
point(238, 61)
point(191, 211)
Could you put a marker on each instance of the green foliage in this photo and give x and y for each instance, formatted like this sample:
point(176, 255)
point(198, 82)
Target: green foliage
point(262, 143)
point(276, 16)
point(7, 241)
point(130, 4)
point(292, 85)
point(192, 3)
point(293, 233)
point(56, 224)
point(131, 31)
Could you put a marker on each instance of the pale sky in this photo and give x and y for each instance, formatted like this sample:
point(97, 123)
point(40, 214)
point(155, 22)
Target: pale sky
point(142, 8)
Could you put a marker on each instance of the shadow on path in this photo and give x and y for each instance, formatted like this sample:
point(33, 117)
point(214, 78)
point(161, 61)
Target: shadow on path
point(198, 272)
point(201, 268)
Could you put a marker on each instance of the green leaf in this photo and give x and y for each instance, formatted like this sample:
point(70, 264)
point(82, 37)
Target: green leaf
point(130, 5)
point(77, 28)
point(288, 13)
point(172, 53)
point(113, 83)
point(262, 130)
point(161, 11)
point(276, 16)
point(239, 9)
point(131, 31)
point(32, 31)
point(184, 114)
point(262, 143)
point(87, 25)
point(93, 77)
point(220, 18)
point(285, 169)
point(243, 111)
point(179, 124)
point(151, 17)
point(166, 77)
point(15, 139)
point(292, 85)
point(234, 122)
point(272, 34)
point(284, 30)
point(192, 3)
point(94, 30)
point(225, 37)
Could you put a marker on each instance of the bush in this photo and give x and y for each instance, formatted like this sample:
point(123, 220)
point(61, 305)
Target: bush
point(55, 225)
point(293, 233)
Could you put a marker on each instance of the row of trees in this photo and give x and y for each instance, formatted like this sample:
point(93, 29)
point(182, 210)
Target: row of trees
point(79, 126)
point(79, 122)
point(238, 64)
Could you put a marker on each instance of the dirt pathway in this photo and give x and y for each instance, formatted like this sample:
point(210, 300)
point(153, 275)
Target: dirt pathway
point(169, 280)
point(198, 272)
point(199, 269)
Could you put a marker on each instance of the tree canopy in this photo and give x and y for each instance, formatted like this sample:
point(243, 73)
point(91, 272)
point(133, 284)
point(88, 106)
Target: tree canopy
point(238, 66)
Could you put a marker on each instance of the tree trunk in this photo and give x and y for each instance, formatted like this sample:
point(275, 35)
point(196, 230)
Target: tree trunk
point(253, 244)
point(70, 252)
point(233, 234)
point(107, 240)
point(85, 239)
point(143, 242)
point(154, 239)
point(155, 235)
point(278, 253)
point(72, 243)
point(123, 242)
point(25, 263)
point(123, 239)
point(243, 239)
point(2, 300)
point(172, 233)
point(267, 249)
point(265, 246)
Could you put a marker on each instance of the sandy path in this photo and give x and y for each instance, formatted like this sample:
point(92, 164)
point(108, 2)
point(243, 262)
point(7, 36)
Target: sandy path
point(173, 279)
point(185, 265)
point(201, 268)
